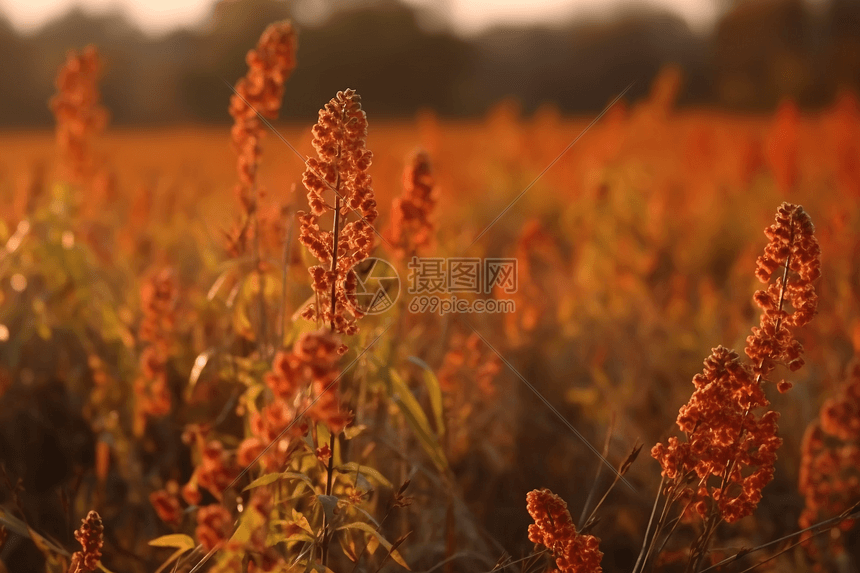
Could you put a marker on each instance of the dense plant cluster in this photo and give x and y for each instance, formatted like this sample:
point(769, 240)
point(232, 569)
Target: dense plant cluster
point(233, 403)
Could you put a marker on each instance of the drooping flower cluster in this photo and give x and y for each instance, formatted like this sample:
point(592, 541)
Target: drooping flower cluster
point(338, 182)
point(554, 529)
point(214, 525)
point(166, 503)
point(77, 110)
point(411, 228)
point(260, 91)
point(793, 248)
point(216, 471)
point(830, 466)
point(726, 437)
point(159, 297)
point(91, 537)
point(302, 379)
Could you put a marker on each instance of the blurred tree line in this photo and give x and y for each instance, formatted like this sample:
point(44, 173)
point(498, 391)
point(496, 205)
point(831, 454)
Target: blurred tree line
point(402, 59)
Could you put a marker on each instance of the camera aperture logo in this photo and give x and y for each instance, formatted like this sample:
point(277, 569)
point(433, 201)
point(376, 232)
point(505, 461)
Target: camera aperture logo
point(378, 286)
point(437, 282)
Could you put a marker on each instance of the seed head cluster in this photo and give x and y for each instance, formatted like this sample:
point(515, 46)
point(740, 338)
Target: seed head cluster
point(554, 529)
point(830, 466)
point(91, 537)
point(411, 229)
point(338, 182)
point(159, 297)
point(794, 249)
point(77, 110)
point(300, 380)
point(260, 91)
point(727, 438)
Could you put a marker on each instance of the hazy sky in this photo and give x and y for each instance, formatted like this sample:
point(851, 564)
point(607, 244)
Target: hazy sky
point(468, 15)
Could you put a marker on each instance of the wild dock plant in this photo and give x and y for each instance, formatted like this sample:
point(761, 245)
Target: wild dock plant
point(158, 300)
point(411, 229)
point(91, 537)
point(260, 91)
point(728, 455)
point(830, 466)
point(341, 166)
point(77, 110)
point(553, 528)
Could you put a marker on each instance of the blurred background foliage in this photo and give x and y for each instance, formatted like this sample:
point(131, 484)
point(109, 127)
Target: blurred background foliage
point(403, 59)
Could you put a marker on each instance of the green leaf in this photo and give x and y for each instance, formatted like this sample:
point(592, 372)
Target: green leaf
point(263, 480)
point(434, 391)
point(273, 477)
point(395, 555)
point(177, 540)
point(402, 396)
point(368, 471)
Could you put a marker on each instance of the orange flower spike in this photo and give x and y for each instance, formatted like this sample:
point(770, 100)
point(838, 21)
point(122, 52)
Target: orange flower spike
point(794, 248)
point(77, 110)
point(411, 229)
point(341, 171)
point(260, 91)
point(553, 528)
point(91, 537)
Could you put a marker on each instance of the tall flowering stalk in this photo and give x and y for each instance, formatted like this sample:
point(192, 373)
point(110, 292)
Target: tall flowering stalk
point(77, 110)
point(411, 228)
point(726, 438)
point(298, 381)
point(554, 529)
point(91, 537)
point(159, 297)
point(338, 182)
point(830, 466)
point(260, 91)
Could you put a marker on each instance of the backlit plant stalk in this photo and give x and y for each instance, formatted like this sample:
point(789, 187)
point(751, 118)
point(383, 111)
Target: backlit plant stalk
point(725, 438)
point(341, 166)
point(77, 110)
point(257, 95)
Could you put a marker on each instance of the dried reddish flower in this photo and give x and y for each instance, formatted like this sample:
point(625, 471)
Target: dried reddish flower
point(794, 248)
point(216, 471)
point(77, 110)
point(724, 437)
point(91, 537)
point(554, 529)
point(260, 91)
point(830, 464)
point(159, 297)
point(214, 524)
point(298, 381)
point(411, 230)
point(167, 506)
point(341, 170)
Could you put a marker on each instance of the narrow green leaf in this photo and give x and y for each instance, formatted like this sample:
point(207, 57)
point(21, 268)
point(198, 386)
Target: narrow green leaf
point(434, 391)
point(413, 413)
point(177, 540)
point(353, 467)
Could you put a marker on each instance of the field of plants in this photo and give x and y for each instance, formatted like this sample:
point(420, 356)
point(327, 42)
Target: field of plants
point(517, 343)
